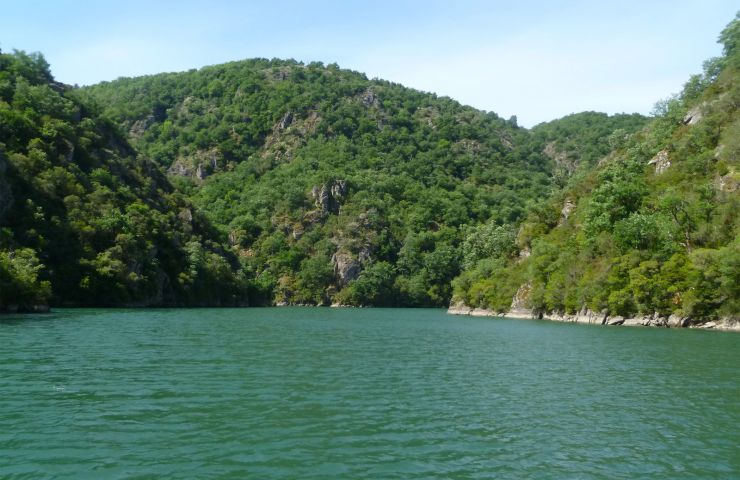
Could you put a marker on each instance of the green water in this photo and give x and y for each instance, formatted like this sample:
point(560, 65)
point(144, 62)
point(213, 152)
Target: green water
point(381, 393)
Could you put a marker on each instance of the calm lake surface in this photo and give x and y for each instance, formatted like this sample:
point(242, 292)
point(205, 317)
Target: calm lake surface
point(361, 393)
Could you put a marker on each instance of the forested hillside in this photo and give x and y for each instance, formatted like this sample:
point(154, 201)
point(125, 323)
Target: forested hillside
point(259, 182)
point(265, 182)
point(84, 220)
point(328, 186)
point(652, 230)
point(334, 188)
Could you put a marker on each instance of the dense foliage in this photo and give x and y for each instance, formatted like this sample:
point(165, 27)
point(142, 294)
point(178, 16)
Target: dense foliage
point(269, 181)
point(83, 219)
point(654, 228)
point(328, 186)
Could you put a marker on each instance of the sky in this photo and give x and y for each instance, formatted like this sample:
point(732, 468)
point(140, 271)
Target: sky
point(538, 60)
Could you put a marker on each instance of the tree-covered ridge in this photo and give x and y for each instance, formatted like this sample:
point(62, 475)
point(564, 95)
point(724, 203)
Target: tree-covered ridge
point(84, 220)
point(653, 229)
point(328, 186)
point(577, 142)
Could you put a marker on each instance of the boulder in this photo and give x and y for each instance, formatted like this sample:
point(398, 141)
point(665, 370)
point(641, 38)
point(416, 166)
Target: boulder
point(590, 317)
point(632, 322)
point(677, 321)
point(728, 323)
point(674, 321)
point(459, 308)
point(524, 313)
point(559, 317)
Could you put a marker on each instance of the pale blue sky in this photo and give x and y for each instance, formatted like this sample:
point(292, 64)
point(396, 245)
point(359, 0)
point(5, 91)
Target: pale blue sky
point(538, 60)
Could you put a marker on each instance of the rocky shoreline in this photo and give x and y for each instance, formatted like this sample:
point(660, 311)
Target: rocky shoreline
point(590, 317)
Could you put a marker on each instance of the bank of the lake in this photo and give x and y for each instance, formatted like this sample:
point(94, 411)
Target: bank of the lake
point(585, 316)
point(360, 393)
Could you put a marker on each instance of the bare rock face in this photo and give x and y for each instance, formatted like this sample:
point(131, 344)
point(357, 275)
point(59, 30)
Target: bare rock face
point(200, 173)
point(313, 217)
point(661, 162)
point(339, 189)
point(346, 267)
point(520, 303)
point(365, 254)
point(730, 182)
point(728, 323)
point(590, 317)
point(459, 308)
point(654, 320)
point(321, 198)
point(180, 169)
point(140, 126)
point(568, 207)
point(633, 322)
point(199, 164)
point(286, 121)
point(561, 159)
point(328, 197)
point(369, 98)
point(693, 116)
point(675, 321)
point(521, 297)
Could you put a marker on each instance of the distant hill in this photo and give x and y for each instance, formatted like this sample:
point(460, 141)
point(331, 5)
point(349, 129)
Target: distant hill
point(649, 230)
point(332, 188)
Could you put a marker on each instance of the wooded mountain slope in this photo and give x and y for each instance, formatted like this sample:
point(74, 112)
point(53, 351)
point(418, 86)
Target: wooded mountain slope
point(84, 220)
point(331, 187)
point(652, 229)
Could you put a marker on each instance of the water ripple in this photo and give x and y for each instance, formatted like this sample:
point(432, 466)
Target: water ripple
point(383, 393)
